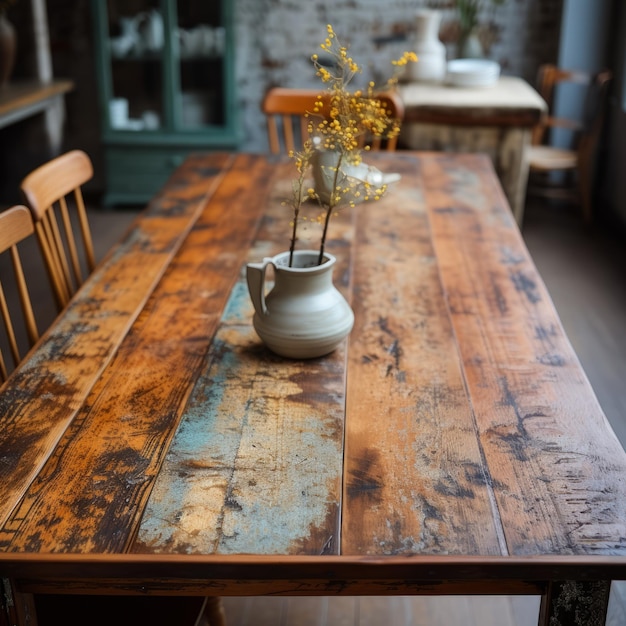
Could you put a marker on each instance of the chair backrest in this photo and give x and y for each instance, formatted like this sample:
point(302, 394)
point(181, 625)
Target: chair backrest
point(16, 224)
point(55, 188)
point(595, 87)
point(286, 111)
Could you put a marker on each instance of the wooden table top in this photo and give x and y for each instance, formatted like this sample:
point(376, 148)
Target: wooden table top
point(23, 96)
point(454, 437)
point(511, 101)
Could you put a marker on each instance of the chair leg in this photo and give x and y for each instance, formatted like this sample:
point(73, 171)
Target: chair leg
point(213, 612)
point(584, 187)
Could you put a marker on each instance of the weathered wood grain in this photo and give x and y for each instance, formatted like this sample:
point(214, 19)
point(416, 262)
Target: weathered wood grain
point(159, 440)
point(557, 469)
point(256, 465)
point(414, 477)
point(42, 397)
point(95, 480)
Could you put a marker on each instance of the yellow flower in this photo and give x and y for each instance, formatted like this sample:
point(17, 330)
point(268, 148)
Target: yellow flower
point(350, 115)
point(405, 58)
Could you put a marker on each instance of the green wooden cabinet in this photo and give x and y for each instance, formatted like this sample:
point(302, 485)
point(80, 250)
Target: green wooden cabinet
point(166, 88)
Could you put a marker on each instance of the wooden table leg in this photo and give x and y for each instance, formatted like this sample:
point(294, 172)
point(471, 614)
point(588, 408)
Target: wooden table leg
point(16, 609)
point(213, 611)
point(54, 117)
point(572, 603)
point(512, 167)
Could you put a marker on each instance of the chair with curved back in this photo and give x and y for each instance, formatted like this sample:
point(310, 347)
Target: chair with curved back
point(287, 123)
point(16, 225)
point(580, 158)
point(51, 191)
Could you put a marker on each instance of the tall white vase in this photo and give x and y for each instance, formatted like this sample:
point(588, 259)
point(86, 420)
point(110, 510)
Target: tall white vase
point(431, 53)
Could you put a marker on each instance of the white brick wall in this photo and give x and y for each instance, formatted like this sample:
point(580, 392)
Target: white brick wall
point(275, 39)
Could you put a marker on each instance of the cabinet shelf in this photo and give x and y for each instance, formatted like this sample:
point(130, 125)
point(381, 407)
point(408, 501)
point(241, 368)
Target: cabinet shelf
point(149, 57)
point(166, 87)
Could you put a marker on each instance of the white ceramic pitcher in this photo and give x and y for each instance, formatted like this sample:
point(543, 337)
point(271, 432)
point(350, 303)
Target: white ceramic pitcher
point(304, 315)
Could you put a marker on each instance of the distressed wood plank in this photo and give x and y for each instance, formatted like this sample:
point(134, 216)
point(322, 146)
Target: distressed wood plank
point(414, 477)
point(91, 492)
point(256, 465)
point(487, 438)
point(557, 468)
point(41, 398)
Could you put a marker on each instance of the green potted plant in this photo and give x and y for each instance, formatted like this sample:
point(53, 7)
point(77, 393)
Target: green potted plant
point(468, 13)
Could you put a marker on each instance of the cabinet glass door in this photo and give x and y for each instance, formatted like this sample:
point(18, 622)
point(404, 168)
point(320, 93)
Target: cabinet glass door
point(137, 46)
point(201, 41)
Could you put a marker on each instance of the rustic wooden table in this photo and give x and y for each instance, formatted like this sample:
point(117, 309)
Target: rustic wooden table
point(151, 445)
point(20, 100)
point(496, 120)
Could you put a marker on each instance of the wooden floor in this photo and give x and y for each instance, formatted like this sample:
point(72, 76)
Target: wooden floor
point(584, 272)
point(399, 611)
point(375, 611)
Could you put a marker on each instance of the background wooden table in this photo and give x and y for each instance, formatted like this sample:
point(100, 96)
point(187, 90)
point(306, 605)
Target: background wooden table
point(20, 100)
point(495, 120)
point(152, 445)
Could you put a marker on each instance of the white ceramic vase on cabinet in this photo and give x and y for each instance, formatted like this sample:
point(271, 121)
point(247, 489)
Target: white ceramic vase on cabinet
point(431, 52)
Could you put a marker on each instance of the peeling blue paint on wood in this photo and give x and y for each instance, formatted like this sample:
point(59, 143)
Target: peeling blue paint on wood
point(256, 464)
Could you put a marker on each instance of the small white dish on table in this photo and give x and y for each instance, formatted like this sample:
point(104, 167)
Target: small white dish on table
point(472, 73)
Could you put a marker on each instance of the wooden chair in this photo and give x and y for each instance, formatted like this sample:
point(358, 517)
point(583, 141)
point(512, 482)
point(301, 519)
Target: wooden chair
point(16, 225)
point(285, 110)
point(51, 190)
point(580, 158)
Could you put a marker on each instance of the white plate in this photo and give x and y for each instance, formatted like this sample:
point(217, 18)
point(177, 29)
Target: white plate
point(370, 174)
point(472, 72)
point(361, 173)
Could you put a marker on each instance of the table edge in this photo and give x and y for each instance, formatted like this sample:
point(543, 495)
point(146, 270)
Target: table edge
point(327, 567)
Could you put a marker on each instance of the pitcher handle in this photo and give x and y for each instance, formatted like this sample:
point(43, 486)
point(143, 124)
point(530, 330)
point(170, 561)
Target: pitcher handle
point(255, 274)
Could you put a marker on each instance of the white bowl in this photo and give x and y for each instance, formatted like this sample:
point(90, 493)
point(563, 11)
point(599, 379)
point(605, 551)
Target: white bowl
point(472, 72)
